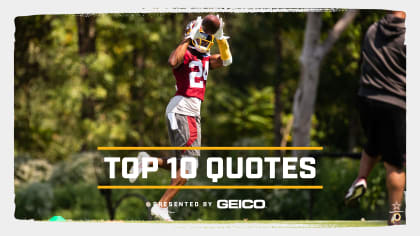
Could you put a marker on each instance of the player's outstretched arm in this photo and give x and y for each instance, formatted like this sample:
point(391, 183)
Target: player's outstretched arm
point(222, 42)
point(215, 61)
point(177, 56)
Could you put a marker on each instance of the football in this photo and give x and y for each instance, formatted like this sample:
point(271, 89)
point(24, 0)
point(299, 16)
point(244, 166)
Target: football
point(210, 24)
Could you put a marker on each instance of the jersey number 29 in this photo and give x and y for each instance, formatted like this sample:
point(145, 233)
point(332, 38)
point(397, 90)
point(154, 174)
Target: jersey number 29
point(199, 75)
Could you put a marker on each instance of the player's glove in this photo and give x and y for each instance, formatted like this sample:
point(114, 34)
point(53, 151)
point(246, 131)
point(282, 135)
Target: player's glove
point(195, 31)
point(219, 33)
point(223, 44)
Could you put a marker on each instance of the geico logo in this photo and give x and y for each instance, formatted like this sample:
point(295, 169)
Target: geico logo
point(244, 204)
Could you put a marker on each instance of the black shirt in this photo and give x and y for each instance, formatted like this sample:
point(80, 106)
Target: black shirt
point(384, 57)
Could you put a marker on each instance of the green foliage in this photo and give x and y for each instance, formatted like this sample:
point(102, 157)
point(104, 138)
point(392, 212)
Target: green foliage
point(132, 209)
point(338, 127)
point(34, 201)
point(28, 170)
point(236, 116)
point(79, 201)
point(77, 168)
point(67, 104)
point(336, 175)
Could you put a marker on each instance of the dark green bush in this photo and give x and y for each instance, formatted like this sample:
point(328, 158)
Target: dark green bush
point(34, 201)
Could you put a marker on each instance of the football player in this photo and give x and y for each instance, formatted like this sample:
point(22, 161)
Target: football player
point(190, 62)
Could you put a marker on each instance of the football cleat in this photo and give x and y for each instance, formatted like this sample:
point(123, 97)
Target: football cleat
point(160, 213)
point(139, 166)
point(356, 190)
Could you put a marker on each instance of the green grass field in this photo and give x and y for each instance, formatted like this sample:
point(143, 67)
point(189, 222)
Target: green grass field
point(272, 223)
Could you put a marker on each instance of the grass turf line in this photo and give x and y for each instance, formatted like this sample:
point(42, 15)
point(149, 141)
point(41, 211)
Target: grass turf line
point(268, 223)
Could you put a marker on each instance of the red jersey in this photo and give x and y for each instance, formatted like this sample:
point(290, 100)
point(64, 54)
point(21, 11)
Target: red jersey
point(191, 76)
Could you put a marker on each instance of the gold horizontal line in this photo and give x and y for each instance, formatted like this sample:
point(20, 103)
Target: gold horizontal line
point(211, 187)
point(206, 148)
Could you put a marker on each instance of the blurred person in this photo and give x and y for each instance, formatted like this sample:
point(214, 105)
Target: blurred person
point(382, 105)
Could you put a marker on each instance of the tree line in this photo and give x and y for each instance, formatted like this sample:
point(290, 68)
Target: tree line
point(83, 81)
